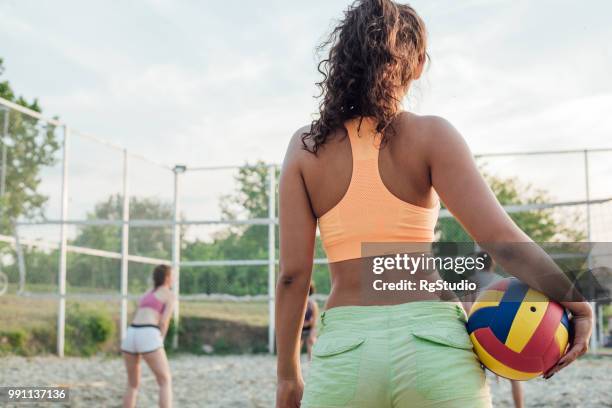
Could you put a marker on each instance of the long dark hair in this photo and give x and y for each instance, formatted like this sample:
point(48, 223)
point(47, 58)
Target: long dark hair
point(374, 52)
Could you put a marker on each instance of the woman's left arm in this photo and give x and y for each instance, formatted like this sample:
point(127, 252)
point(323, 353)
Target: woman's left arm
point(465, 193)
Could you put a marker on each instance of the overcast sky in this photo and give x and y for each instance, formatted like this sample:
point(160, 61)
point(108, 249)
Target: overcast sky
point(225, 82)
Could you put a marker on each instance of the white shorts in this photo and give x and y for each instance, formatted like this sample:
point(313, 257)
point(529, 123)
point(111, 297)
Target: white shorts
point(142, 338)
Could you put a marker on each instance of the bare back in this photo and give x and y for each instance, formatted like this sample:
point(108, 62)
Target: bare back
point(404, 170)
point(146, 315)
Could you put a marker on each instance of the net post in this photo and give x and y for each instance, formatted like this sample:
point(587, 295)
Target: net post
point(125, 247)
point(5, 130)
point(61, 309)
point(20, 260)
point(593, 342)
point(271, 254)
point(600, 325)
point(176, 250)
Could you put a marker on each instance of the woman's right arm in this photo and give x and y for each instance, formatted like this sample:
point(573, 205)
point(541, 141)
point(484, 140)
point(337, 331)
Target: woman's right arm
point(456, 179)
point(167, 314)
point(297, 230)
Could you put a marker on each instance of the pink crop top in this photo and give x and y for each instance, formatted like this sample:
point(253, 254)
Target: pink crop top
point(152, 302)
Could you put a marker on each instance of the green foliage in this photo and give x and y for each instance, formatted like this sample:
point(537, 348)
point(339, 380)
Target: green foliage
point(222, 346)
point(170, 335)
point(320, 273)
point(250, 200)
point(27, 342)
point(42, 340)
point(156, 242)
point(13, 341)
point(87, 330)
point(41, 267)
point(218, 335)
point(30, 146)
point(541, 225)
point(251, 197)
point(6, 92)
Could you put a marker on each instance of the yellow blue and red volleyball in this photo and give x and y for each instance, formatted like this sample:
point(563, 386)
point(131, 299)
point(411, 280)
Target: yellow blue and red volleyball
point(517, 332)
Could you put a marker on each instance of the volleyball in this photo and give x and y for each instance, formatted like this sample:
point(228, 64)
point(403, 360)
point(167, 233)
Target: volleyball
point(517, 332)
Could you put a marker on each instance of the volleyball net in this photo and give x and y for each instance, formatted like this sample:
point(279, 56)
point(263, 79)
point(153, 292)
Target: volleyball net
point(84, 220)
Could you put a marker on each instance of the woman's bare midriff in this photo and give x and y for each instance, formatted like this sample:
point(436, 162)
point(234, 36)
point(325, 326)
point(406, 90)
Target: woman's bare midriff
point(352, 285)
point(146, 315)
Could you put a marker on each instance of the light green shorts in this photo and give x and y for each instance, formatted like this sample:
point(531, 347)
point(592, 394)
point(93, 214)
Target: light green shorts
point(410, 355)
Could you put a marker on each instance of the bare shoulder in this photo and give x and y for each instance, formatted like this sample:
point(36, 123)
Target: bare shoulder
point(426, 126)
point(431, 133)
point(296, 151)
point(298, 135)
point(166, 294)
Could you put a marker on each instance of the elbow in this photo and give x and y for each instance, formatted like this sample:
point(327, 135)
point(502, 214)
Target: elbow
point(506, 253)
point(293, 277)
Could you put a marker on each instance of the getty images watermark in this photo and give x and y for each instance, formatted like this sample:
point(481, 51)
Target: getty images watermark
point(401, 272)
point(413, 263)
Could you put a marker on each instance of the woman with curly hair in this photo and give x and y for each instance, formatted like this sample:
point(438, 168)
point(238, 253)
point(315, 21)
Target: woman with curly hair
point(369, 172)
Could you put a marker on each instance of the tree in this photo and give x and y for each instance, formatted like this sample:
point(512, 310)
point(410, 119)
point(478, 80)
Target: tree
point(251, 197)
point(155, 242)
point(146, 241)
point(30, 146)
point(250, 200)
point(541, 225)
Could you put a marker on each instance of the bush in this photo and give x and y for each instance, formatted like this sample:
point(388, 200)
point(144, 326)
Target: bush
point(13, 341)
point(200, 335)
point(42, 340)
point(169, 336)
point(87, 331)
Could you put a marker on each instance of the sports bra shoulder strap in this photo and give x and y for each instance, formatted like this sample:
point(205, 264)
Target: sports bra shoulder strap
point(365, 142)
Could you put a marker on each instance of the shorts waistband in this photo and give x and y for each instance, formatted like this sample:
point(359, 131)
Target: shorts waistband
point(418, 313)
point(144, 325)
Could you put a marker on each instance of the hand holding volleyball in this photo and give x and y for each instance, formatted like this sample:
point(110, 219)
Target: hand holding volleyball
point(519, 333)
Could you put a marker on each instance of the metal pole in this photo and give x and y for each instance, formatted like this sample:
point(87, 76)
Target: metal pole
point(5, 128)
point(588, 194)
point(587, 185)
point(600, 325)
point(3, 140)
point(271, 254)
point(61, 281)
point(125, 246)
point(20, 261)
point(176, 251)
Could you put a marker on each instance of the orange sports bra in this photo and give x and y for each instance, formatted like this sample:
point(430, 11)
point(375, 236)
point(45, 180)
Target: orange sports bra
point(368, 212)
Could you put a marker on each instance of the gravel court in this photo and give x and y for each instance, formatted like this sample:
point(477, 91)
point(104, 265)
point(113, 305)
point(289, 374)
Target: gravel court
point(249, 381)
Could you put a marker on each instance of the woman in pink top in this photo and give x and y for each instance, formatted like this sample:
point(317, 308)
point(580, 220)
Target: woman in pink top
point(145, 337)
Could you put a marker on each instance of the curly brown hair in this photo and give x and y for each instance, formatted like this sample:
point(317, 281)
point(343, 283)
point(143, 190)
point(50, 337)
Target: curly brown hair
point(374, 53)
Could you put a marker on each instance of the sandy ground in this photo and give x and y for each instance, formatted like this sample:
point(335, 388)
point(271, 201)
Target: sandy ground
point(248, 381)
